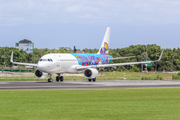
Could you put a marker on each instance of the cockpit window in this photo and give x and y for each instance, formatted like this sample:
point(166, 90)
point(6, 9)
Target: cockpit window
point(50, 60)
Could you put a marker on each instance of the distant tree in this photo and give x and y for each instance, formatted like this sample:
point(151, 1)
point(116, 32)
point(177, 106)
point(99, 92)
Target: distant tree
point(170, 59)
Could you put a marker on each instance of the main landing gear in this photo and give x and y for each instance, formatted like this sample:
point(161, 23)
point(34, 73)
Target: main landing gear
point(59, 78)
point(94, 80)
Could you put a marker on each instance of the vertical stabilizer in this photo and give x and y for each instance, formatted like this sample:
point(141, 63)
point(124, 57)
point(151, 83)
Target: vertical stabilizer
point(104, 49)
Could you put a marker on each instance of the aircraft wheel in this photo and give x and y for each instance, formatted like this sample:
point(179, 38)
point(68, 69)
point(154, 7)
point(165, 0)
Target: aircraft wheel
point(57, 79)
point(50, 80)
point(94, 80)
point(61, 78)
point(89, 80)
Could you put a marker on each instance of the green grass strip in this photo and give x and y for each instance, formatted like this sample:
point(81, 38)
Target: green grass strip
point(91, 104)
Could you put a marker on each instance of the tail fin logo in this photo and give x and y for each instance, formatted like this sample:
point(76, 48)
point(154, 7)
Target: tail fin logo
point(106, 46)
point(104, 49)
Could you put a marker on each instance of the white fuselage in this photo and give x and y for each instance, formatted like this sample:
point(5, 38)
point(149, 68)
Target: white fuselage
point(67, 62)
point(57, 63)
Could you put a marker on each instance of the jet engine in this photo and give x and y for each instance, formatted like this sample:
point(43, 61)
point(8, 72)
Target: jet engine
point(91, 73)
point(40, 75)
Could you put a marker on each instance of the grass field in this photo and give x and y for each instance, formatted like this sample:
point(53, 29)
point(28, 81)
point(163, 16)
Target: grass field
point(102, 76)
point(91, 104)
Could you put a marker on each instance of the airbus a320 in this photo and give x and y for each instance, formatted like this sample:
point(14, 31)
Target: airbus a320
point(74, 63)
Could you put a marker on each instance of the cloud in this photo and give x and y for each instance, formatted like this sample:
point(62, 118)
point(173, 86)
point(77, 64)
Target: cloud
point(75, 8)
point(86, 16)
point(79, 11)
point(81, 8)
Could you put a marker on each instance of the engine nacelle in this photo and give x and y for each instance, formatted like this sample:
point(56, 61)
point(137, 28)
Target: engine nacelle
point(40, 75)
point(91, 73)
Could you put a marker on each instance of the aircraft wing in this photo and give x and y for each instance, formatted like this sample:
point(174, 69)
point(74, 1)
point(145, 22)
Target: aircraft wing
point(19, 63)
point(115, 64)
point(121, 58)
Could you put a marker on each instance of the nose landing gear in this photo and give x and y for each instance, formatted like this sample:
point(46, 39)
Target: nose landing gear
point(50, 79)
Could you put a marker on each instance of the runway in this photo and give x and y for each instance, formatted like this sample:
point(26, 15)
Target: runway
point(16, 85)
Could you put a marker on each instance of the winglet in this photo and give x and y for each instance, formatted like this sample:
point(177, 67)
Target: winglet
point(19, 63)
point(159, 57)
point(11, 57)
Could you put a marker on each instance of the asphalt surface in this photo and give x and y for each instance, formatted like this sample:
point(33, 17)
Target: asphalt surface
point(87, 85)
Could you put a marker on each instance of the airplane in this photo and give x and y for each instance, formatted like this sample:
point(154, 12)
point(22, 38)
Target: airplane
point(74, 63)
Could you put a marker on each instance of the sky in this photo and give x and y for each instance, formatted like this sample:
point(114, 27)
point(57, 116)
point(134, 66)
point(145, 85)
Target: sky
point(82, 23)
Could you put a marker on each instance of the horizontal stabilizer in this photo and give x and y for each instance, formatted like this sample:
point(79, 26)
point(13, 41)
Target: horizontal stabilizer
point(121, 58)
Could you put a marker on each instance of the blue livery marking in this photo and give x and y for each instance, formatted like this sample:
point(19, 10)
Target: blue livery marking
point(91, 59)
